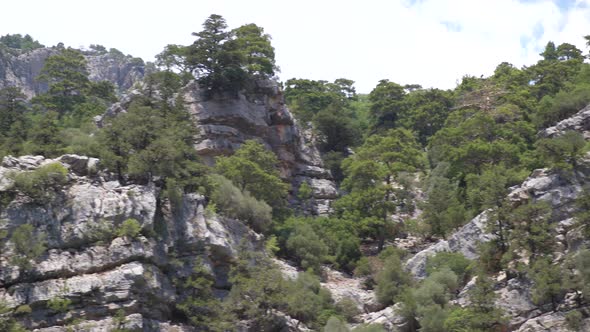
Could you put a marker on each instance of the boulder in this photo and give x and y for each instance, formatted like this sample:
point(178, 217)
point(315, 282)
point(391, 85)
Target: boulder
point(465, 241)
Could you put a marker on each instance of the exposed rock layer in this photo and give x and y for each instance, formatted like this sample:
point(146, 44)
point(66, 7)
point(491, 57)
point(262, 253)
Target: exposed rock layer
point(102, 274)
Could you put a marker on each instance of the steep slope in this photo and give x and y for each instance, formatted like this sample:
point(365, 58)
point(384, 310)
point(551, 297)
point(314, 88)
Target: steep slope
point(560, 190)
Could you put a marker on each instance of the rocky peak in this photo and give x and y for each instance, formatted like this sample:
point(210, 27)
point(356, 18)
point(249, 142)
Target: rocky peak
point(21, 69)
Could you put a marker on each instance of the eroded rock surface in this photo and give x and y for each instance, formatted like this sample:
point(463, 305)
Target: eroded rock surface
point(103, 274)
point(225, 122)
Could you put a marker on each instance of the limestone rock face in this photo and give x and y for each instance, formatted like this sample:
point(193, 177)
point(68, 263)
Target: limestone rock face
point(103, 274)
point(578, 122)
point(465, 241)
point(122, 71)
point(225, 122)
point(387, 318)
point(21, 69)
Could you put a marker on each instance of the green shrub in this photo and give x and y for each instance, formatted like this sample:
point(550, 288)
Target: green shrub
point(234, 203)
point(305, 191)
point(335, 325)
point(41, 184)
point(456, 262)
point(563, 152)
point(199, 304)
point(369, 328)
point(9, 324)
point(272, 245)
point(27, 246)
point(363, 267)
point(129, 228)
point(573, 320)
point(339, 236)
point(307, 247)
point(562, 105)
point(59, 304)
point(22, 310)
point(391, 280)
point(348, 308)
point(100, 231)
point(308, 301)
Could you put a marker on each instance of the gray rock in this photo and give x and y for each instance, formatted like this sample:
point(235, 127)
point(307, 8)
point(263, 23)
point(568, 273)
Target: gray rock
point(465, 241)
point(18, 68)
point(101, 274)
point(225, 122)
point(343, 287)
point(386, 318)
point(551, 322)
point(579, 122)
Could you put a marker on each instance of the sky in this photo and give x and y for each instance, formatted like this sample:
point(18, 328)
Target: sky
point(429, 42)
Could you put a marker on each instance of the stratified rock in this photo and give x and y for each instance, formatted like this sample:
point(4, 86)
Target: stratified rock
point(226, 122)
point(100, 273)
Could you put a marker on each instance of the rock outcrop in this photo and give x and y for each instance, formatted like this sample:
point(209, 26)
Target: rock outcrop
point(105, 276)
point(21, 69)
point(225, 122)
point(579, 122)
point(465, 241)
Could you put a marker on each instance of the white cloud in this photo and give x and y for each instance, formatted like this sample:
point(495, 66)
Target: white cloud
point(430, 42)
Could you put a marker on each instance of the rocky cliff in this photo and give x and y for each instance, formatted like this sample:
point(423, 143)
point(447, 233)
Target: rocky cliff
point(103, 275)
point(227, 121)
point(22, 68)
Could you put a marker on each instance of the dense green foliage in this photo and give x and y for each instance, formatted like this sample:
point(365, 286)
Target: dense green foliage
point(130, 228)
point(222, 60)
point(253, 169)
point(20, 42)
point(239, 204)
